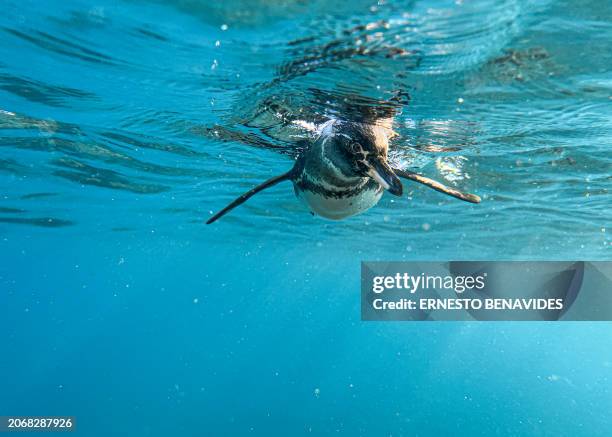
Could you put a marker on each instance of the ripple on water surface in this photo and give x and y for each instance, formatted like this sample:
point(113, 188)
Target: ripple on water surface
point(169, 120)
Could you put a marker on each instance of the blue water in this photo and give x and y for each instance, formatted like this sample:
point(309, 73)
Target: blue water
point(125, 124)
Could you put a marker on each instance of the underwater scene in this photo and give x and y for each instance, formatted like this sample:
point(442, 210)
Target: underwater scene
point(126, 125)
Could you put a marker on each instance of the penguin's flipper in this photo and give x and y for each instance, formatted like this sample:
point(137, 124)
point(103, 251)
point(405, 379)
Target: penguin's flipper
point(473, 198)
point(246, 196)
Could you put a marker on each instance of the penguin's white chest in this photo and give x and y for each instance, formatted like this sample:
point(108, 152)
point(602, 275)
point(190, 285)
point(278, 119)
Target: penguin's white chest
point(336, 208)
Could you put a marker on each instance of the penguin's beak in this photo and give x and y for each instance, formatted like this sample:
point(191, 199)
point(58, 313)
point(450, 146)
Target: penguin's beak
point(381, 172)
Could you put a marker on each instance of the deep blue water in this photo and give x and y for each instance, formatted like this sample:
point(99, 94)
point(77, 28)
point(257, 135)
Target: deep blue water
point(124, 125)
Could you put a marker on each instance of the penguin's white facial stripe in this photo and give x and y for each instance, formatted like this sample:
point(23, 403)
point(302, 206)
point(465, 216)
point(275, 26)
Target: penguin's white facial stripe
point(324, 159)
point(337, 172)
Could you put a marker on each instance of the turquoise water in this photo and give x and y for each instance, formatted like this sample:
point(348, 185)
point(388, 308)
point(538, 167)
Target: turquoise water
point(125, 125)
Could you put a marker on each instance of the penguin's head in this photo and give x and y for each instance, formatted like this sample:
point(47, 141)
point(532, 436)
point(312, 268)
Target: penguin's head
point(362, 152)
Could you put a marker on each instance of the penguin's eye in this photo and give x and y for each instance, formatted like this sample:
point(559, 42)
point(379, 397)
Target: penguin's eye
point(356, 150)
point(359, 157)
